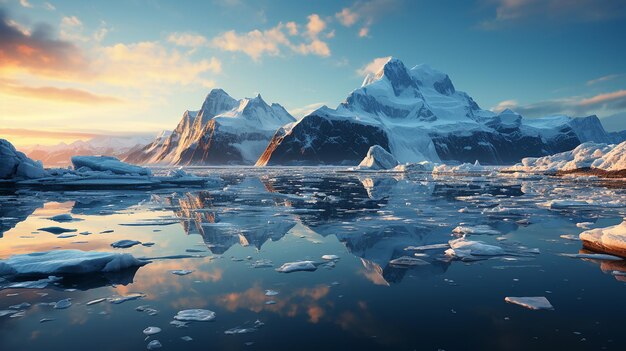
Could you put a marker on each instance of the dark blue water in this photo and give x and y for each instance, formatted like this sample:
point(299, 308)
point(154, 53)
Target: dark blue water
point(362, 302)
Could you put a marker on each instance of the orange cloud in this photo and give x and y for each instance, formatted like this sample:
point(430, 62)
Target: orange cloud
point(60, 95)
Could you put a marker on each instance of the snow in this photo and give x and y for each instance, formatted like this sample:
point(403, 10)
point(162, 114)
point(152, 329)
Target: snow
point(15, 165)
point(195, 315)
point(297, 266)
point(66, 262)
point(611, 239)
point(608, 157)
point(378, 158)
point(108, 163)
point(468, 249)
point(533, 303)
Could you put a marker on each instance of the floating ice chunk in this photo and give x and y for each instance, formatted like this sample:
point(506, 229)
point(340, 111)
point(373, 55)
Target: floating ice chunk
point(270, 302)
point(121, 299)
point(428, 247)
point(570, 237)
point(584, 225)
point(57, 230)
point(96, 301)
point(262, 263)
point(153, 345)
point(62, 304)
point(181, 272)
point(195, 315)
point(44, 320)
point(151, 330)
point(271, 292)
point(66, 262)
point(330, 257)
point(468, 249)
point(611, 239)
point(463, 168)
point(108, 163)
point(124, 244)
point(533, 303)
point(66, 236)
point(477, 230)
point(592, 256)
point(15, 165)
point(378, 158)
point(297, 266)
point(36, 284)
point(21, 306)
point(186, 338)
point(240, 330)
point(562, 204)
point(66, 217)
point(407, 261)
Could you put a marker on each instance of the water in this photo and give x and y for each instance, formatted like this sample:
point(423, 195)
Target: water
point(286, 215)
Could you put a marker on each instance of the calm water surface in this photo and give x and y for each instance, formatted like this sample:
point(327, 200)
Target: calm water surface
point(360, 303)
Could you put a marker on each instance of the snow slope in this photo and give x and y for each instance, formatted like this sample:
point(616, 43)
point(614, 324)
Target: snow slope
point(223, 131)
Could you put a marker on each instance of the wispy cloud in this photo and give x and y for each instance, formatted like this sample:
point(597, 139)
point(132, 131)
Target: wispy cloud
point(300, 112)
point(373, 66)
point(576, 106)
point(276, 40)
point(25, 3)
point(192, 40)
point(604, 79)
point(60, 95)
point(365, 13)
point(515, 11)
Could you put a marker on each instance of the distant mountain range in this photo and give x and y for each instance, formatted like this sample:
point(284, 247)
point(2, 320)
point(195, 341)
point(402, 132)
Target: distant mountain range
point(223, 131)
point(59, 155)
point(416, 114)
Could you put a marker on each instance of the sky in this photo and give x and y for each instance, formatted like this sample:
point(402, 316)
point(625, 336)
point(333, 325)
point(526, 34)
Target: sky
point(71, 70)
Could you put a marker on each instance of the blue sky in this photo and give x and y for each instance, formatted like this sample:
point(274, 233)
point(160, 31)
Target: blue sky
point(137, 65)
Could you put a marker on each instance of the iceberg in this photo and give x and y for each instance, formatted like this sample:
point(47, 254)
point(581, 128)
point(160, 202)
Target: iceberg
point(108, 163)
point(16, 165)
point(378, 158)
point(66, 262)
point(289, 267)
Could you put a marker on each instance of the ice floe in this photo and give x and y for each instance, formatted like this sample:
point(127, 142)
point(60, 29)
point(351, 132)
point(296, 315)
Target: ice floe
point(195, 315)
point(66, 262)
point(62, 304)
point(297, 266)
point(57, 230)
point(151, 330)
point(124, 244)
point(533, 303)
point(470, 249)
point(154, 344)
point(611, 239)
point(407, 261)
point(181, 272)
point(108, 163)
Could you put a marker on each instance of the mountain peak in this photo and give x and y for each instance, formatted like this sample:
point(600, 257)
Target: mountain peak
point(395, 72)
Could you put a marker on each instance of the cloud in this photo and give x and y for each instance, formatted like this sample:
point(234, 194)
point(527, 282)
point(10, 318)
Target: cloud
point(274, 41)
point(46, 133)
point(145, 63)
point(191, 40)
point(61, 95)
point(25, 3)
point(515, 11)
point(604, 79)
point(36, 52)
point(347, 17)
point(373, 66)
point(48, 6)
point(366, 13)
point(72, 29)
point(576, 106)
point(300, 112)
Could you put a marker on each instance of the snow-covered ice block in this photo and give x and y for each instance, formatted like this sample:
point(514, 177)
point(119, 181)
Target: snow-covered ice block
point(378, 158)
point(468, 249)
point(533, 303)
point(195, 315)
point(297, 266)
point(108, 163)
point(66, 262)
point(611, 239)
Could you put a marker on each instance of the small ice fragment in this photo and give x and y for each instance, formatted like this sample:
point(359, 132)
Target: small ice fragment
point(262, 263)
point(584, 225)
point(66, 217)
point(65, 236)
point(44, 320)
point(148, 244)
point(124, 244)
point(197, 315)
point(121, 299)
point(533, 303)
point(603, 257)
point(21, 306)
point(57, 230)
point(570, 237)
point(297, 266)
point(330, 257)
point(428, 247)
point(154, 344)
point(107, 231)
point(151, 330)
point(407, 261)
point(270, 302)
point(186, 338)
point(62, 304)
point(181, 272)
point(271, 292)
point(93, 302)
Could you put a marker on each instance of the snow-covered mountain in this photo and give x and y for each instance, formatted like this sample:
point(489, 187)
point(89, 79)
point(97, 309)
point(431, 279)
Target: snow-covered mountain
point(223, 131)
point(417, 114)
point(60, 155)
